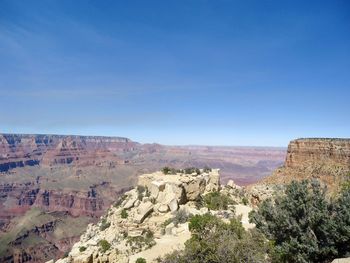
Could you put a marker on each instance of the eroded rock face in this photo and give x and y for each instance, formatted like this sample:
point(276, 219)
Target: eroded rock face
point(327, 160)
point(177, 189)
point(18, 150)
point(194, 188)
point(303, 152)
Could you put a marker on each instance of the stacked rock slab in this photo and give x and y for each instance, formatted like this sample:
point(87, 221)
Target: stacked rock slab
point(170, 191)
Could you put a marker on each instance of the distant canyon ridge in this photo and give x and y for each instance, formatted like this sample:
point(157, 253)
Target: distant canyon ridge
point(54, 185)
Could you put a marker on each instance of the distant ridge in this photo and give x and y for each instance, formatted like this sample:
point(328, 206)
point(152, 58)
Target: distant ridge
point(25, 135)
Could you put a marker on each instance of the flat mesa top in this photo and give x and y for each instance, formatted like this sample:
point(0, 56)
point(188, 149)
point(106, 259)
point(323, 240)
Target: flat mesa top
point(323, 139)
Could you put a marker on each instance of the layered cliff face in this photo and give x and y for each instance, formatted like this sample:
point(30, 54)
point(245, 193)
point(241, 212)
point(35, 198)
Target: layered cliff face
point(325, 159)
point(30, 150)
point(303, 152)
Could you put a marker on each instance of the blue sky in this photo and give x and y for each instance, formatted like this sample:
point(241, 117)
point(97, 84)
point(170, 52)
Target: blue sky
point(176, 72)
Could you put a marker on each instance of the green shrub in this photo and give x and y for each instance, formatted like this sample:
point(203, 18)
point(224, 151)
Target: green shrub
point(104, 245)
point(141, 188)
point(166, 170)
point(345, 186)
point(148, 234)
point(213, 241)
point(199, 202)
point(124, 214)
point(217, 201)
point(124, 233)
point(180, 217)
point(82, 249)
point(207, 169)
point(140, 260)
point(245, 201)
point(104, 224)
point(139, 242)
point(191, 170)
point(304, 225)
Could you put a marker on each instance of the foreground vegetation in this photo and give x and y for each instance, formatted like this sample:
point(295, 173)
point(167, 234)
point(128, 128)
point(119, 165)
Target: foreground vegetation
point(214, 241)
point(304, 225)
point(301, 225)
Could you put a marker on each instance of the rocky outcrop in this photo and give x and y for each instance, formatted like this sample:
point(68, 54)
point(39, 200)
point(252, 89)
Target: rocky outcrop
point(139, 226)
point(179, 188)
point(303, 152)
point(325, 159)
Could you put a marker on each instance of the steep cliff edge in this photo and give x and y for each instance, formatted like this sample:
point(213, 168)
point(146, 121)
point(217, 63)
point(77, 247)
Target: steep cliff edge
point(327, 159)
point(327, 151)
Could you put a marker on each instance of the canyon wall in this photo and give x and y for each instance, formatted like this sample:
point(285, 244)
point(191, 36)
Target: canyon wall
point(302, 152)
point(18, 150)
point(326, 159)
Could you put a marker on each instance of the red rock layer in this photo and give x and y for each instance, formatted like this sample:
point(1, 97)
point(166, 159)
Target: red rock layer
point(327, 151)
point(325, 159)
point(30, 150)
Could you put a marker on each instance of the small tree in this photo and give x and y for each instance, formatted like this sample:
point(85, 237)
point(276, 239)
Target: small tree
point(213, 241)
point(217, 201)
point(166, 170)
point(124, 214)
point(304, 225)
point(104, 245)
point(104, 224)
point(206, 169)
point(180, 217)
point(140, 260)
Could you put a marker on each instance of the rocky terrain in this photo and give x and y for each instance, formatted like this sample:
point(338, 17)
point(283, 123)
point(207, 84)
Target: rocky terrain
point(325, 159)
point(143, 223)
point(72, 180)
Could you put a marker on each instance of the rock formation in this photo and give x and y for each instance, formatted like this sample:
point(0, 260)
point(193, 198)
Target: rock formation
point(304, 152)
point(139, 225)
point(325, 159)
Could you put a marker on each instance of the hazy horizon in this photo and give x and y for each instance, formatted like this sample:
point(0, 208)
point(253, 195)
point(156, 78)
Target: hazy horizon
point(176, 73)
